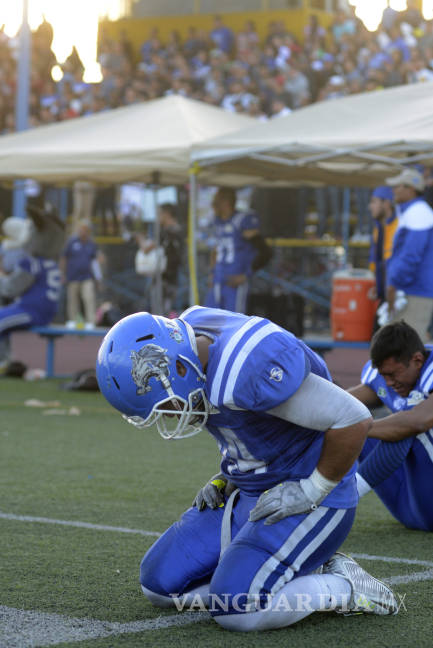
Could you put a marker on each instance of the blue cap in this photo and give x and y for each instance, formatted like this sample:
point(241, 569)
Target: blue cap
point(384, 193)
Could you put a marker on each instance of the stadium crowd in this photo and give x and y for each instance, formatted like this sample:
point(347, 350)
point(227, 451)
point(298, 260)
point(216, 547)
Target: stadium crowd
point(233, 70)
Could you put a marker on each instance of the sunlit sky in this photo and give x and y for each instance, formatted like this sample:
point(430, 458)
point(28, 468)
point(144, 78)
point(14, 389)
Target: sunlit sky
point(75, 22)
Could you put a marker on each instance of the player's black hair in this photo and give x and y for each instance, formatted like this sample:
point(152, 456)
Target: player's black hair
point(397, 340)
point(229, 194)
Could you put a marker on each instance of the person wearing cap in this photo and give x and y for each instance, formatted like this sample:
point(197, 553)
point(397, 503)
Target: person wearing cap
point(410, 267)
point(383, 230)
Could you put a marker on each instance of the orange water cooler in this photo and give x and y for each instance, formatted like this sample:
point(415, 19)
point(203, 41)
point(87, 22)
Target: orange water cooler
point(352, 311)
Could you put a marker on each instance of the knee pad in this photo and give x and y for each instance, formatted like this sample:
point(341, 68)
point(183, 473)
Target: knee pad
point(248, 622)
point(158, 600)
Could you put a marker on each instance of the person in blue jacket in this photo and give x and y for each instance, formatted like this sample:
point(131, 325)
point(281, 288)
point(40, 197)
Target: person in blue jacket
point(410, 267)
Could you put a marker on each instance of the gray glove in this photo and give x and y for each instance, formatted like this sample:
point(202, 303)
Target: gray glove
point(288, 498)
point(212, 493)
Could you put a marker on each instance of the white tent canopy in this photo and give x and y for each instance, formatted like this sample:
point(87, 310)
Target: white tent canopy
point(125, 144)
point(356, 140)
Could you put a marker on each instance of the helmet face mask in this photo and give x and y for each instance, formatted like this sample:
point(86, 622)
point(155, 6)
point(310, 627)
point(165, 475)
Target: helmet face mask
point(148, 368)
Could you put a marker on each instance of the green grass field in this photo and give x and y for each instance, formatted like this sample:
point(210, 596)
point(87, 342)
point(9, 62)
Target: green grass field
point(96, 469)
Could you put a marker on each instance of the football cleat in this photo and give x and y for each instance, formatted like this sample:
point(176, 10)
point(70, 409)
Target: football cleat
point(369, 595)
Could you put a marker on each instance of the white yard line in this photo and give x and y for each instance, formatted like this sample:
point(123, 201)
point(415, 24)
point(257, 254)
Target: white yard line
point(28, 629)
point(76, 523)
point(391, 559)
point(31, 629)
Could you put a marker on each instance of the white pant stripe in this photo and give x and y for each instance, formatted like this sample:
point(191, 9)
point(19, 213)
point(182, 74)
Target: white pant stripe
point(14, 320)
point(309, 550)
point(241, 298)
point(286, 548)
point(426, 441)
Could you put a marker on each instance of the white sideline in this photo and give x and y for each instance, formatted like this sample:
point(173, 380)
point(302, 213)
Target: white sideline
point(73, 523)
point(28, 628)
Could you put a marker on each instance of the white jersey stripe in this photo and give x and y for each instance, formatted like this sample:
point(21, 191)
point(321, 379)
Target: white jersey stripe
point(427, 385)
point(428, 445)
point(189, 310)
point(367, 375)
point(242, 356)
point(428, 374)
point(286, 548)
point(371, 375)
point(216, 385)
point(309, 550)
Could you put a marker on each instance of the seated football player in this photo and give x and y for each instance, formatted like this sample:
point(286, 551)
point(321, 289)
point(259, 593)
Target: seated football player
point(397, 459)
point(30, 284)
point(289, 440)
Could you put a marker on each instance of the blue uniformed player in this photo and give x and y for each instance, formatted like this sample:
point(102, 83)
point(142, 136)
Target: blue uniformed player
point(289, 439)
point(32, 288)
point(240, 249)
point(398, 458)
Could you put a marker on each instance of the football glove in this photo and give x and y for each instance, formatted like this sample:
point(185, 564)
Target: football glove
point(212, 494)
point(292, 498)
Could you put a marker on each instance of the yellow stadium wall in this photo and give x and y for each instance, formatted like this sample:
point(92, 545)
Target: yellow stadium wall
point(138, 29)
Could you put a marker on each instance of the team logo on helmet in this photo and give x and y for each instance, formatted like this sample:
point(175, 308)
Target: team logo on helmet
point(150, 362)
point(174, 332)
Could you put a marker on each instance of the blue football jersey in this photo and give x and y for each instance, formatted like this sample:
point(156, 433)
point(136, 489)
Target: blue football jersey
point(234, 254)
point(419, 460)
point(43, 295)
point(255, 365)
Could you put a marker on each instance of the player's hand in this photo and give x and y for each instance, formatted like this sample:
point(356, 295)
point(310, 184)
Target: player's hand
point(212, 493)
point(288, 498)
point(234, 281)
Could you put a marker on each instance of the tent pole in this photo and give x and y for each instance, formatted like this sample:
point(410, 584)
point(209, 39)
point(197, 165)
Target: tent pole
point(192, 248)
point(22, 102)
point(157, 285)
point(346, 223)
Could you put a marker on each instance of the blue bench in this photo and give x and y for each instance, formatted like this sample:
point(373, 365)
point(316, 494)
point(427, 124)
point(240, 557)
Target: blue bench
point(52, 333)
point(327, 344)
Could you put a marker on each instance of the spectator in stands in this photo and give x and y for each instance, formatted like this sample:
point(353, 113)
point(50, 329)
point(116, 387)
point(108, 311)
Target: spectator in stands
point(410, 268)
point(81, 267)
point(222, 36)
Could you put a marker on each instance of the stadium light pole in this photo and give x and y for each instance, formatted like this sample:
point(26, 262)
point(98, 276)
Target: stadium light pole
point(22, 101)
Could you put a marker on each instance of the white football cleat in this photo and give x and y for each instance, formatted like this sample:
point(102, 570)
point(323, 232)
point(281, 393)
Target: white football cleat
point(369, 594)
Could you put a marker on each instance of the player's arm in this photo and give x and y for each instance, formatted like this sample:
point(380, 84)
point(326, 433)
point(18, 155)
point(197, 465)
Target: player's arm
point(404, 424)
point(366, 395)
point(16, 283)
point(318, 404)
